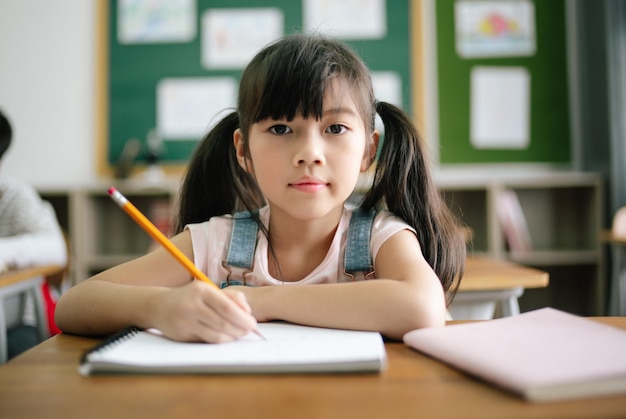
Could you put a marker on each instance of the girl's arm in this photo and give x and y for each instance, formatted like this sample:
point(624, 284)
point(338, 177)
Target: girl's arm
point(407, 296)
point(154, 291)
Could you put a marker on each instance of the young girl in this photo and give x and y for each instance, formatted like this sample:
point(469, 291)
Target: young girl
point(290, 156)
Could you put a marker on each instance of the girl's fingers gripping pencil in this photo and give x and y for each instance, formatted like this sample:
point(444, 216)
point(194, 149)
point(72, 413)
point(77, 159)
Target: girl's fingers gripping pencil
point(156, 234)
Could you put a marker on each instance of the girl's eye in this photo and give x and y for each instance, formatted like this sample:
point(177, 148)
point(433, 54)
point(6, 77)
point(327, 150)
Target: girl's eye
point(280, 129)
point(336, 129)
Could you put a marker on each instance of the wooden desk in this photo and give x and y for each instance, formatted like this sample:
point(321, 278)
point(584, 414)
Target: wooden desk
point(609, 237)
point(11, 277)
point(488, 282)
point(14, 286)
point(44, 382)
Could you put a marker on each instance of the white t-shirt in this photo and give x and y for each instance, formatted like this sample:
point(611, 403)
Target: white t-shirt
point(211, 240)
point(29, 232)
point(29, 236)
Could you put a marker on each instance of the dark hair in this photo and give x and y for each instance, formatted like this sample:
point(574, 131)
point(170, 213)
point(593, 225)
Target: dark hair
point(215, 184)
point(403, 181)
point(5, 134)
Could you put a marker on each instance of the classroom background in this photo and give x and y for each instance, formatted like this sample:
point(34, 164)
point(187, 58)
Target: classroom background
point(569, 178)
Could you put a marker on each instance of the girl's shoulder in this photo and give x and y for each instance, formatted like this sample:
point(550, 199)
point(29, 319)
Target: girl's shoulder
point(384, 226)
point(385, 219)
point(382, 220)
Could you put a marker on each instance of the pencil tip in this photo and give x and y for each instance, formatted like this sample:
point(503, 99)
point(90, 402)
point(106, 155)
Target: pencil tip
point(258, 333)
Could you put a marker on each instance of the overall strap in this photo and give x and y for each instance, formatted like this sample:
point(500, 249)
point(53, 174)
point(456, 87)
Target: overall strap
point(357, 256)
point(243, 238)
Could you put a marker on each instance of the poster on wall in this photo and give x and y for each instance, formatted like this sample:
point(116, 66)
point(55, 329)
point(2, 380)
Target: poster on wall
point(187, 108)
point(156, 21)
point(500, 107)
point(346, 19)
point(231, 37)
point(494, 28)
point(387, 88)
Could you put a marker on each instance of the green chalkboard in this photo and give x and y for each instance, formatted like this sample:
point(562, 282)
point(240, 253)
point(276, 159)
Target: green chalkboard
point(134, 70)
point(549, 113)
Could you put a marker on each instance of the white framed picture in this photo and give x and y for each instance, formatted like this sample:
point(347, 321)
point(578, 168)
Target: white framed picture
point(187, 108)
point(156, 21)
point(494, 28)
point(346, 19)
point(231, 37)
point(500, 107)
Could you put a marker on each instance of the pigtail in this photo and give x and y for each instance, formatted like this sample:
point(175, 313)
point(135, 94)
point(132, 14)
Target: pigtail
point(403, 182)
point(215, 184)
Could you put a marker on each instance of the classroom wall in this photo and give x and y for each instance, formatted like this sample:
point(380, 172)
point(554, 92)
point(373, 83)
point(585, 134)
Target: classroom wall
point(46, 89)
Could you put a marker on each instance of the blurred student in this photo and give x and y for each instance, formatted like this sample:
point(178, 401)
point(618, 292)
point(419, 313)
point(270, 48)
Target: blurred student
point(29, 236)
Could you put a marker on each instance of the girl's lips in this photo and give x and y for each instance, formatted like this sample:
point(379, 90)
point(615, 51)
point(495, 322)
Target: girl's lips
point(308, 185)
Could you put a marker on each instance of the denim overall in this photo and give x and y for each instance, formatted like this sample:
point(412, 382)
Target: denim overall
point(243, 241)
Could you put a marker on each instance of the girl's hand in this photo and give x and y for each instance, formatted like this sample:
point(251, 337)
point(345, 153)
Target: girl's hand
point(198, 312)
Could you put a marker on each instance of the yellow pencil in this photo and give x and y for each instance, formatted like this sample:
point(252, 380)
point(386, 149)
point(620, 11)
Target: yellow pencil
point(156, 234)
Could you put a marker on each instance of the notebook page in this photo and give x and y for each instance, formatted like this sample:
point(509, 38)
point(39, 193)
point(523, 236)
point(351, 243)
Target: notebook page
point(285, 344)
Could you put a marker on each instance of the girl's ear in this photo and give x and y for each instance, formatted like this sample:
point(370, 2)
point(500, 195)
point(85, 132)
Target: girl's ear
point(239, 148)
point(370, 151)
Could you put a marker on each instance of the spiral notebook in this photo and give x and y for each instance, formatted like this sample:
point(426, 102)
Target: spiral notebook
point(287, 348)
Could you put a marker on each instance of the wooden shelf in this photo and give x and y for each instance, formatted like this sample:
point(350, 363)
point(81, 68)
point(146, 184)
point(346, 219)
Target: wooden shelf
point(563, 211)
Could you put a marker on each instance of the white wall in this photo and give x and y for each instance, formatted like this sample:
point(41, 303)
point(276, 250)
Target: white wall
point(46, 90)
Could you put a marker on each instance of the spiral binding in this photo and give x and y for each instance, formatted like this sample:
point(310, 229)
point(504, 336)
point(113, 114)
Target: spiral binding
point(114, 339)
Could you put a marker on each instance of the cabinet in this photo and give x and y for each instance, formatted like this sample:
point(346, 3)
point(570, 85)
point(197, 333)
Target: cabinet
point(563, 211)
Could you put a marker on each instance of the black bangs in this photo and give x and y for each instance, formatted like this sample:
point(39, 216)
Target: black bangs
point(290, 77)
point(278, 100)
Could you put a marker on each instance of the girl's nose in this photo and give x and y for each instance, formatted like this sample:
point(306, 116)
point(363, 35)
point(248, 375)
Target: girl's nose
point(309, 150)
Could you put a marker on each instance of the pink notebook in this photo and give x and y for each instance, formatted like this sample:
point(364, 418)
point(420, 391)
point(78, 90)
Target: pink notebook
point(542, 355)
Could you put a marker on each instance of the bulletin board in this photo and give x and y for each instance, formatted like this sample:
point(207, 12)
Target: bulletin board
point(549, 121)
point(128, 73)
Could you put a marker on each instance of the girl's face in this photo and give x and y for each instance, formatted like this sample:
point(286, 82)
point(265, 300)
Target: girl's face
point(306, 167)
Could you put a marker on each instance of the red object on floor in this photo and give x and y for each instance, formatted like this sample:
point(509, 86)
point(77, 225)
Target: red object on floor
point(50, 305)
